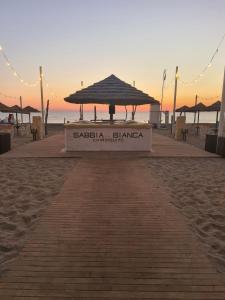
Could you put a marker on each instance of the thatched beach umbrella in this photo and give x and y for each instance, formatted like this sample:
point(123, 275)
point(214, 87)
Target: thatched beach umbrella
point(29, 109)
point(16, 109)
point(197, 108)
point(111, 91)
point(4, 108)
point(183, 109)
point(215, 107)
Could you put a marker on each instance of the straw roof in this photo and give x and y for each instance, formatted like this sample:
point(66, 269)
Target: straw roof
point(199, 107)
point(4, 108)
point(214, 107)
point(16, 109)
point(111, 90)
point(30, 109)
point(183, 108)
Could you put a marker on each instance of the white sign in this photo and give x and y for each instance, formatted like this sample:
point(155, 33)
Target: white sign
point(108, 139)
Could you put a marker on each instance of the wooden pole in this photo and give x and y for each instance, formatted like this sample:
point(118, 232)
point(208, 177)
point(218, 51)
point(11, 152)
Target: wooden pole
point(133, 112)
point(42, 98)
point(95, 113)
point(17, 124)
point(125, 111)
point(222, 112)
point(46, 118)
point(175, 96)
point(162, 95)
point(220, 147)
point(82, 105)
point(217, 115)
point(21, 107)
point(196, 101)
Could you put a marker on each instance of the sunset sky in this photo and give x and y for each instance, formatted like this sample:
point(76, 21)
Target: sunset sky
point(88, 40)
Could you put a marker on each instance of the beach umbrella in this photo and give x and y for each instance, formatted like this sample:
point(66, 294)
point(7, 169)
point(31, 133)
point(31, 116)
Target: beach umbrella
point(16, 109)
point(111, 91)
point(4, 108)
point(197, 108)
point(29, 109)
point(182, 109)
point(215, 107)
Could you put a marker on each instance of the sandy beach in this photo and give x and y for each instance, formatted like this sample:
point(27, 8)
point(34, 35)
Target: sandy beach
point(196, 187)
point(146, 220)
point(27, 187)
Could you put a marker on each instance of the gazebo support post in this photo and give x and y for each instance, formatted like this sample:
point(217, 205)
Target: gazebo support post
point(112, 111)
point(21, 107)
point(95, 113)
point(217, 115)
point(133, 112)
point(125, 111)
point(196, 101)
point(17, 124)
point(197, 127)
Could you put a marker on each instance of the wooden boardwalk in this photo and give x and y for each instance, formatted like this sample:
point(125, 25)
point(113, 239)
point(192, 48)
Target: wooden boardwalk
point(53, 147)
point(112, 234)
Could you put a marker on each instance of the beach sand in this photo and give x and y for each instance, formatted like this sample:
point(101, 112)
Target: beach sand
point(196, 187)
point(27, 186)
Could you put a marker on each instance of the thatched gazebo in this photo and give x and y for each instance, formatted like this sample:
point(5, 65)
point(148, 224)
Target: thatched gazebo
point(4, 108)
point(28, 110)
point(111, 91)
point(215, 107)
point(197, 109)
point(183, 109)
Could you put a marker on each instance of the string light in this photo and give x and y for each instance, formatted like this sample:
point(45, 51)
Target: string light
point(14, 72)
point(205, 69)
point(208, 98)
point(7, 96)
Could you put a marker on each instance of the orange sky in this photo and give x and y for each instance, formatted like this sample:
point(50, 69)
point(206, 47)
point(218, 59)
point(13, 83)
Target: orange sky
point(133, 39)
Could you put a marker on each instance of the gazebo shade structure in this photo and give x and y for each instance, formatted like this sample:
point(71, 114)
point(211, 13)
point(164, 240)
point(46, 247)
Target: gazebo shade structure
point(16, 109)
point(112, 91)
point(181, 109)
point(30, 109)
point(4, 108)
point(196, 108)
point(214, 107)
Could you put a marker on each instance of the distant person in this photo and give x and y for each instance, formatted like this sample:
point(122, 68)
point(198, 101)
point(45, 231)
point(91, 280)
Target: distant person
point(11, 119)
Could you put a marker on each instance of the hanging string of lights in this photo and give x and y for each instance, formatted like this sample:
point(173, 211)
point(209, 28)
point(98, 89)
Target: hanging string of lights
point(206, 68)
point(209, 98)
point(51, 92)
point(14, 72)
point(7, 96)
